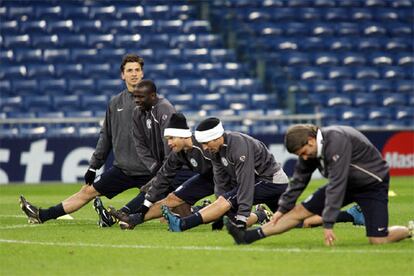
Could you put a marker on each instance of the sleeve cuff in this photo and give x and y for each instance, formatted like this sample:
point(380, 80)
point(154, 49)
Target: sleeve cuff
point(328, 225)
point(147, 203)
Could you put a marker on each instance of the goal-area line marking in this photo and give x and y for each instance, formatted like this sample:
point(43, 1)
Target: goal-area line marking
point(207, 248)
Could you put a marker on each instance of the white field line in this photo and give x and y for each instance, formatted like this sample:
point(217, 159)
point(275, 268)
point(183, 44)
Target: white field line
point(207, 248)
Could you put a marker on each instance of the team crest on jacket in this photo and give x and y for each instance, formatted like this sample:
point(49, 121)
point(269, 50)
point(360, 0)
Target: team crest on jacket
point(242, 158)
point(149, 123)
point(193, 162)
point(335, 157)
point(224, 161)
point(164, 117)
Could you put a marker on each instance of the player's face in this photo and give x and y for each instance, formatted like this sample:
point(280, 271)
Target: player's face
point(176, 144)
point(143, 99)
point(309, 150)
point(212, 146)
point(132, 74)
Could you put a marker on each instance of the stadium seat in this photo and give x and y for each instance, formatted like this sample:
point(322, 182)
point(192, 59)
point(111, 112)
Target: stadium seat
point(393, 72)
point(183, 70)
point(60, 27)
point(312, 73)
point(13, 72)
point(394, 99)
point(381, 59)
point(50, 114)
point(296, 59)
point(365, 100)
point(27, 55)
point(45, 41)
point(99, 40)
point(379, 86)
point(51, 55)
point(48, 11)
point(322, 29)
point(116, 26)
point(101, 70)
point(66, 102)
point(130, 12)
point(9, 132)
point(87, 26)
point(325, 59)
point(32, 131)
point(72, 40)
point(216, 83)
point(352, 86)
point(366, 73)
point(65, 70)
point(368, 44)
point(25, 86)
point(347, 29)
point(38, 71)
point(404, 113)
point(87, 131)
point(105, 12)
point(240, 98)
point(5, 87)
point(13, 103)
point(404, 86)
point(353, 59)
point(267, 101)
point(81, 86)
point(210, 100)
point(12, 41)
point(334, 100)
point(380, 114)
point(79, 114)
point(405, 59)
point(82, 54)
point(339, 44)
point(53, 86)
point(325, 86)
point(94, 102)
point(33, 26)
point(60, 131)
point(352, 114)
point(37, 103)
point(199, 85)
point(9, 26)
point(182, 99)
point(109, 86)
point(166, 86)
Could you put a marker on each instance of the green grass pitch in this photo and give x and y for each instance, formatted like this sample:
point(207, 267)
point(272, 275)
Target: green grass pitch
point(80, 247)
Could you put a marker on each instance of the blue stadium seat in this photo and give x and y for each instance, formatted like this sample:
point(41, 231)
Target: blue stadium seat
point(33, 26)
point(380, 114)
point(353, 59)
point(20, 11)
point(130, 12)
point(241, 98)
point(222, 55)
point(296, 59)
point(38, 71)
point(267, 101)
point(339, 73)
point(109, 86)
point(325, 86)
point(171, 85)
point(325, 59)
point(26, 55)
point(322, 29)
point(184, 70)
point(45, 41)
point(13, 103)
point(9, 26)
point(404, 113)
point(251, 113)
point(86, 26)
point(334, 100)
point(143, 26)
point(72, 70)
point(339, 44)
point(196, 55)
point(56, 55)
point(309, 14)
point(312, 73)
point(199, 85)
point(157, 11)
point(398, 44)
point(222, 113)
point(379, 86)
point(9, 132)
point(129, 40)
point(365, 100)
point(112, 54)
point(53, 86)
point(169, 26)
point(25, 86)
point(311, 44)
point(48, 11)
point(82, 54)
point(79, 114)
point(116, 26)
point(381, 59)
point(394, 99)
point(94, 102)
point(296, 29)
point(72, 40)
point(101, 70)
point(373, 29)
point(168, 55)
point(66, 102)
point(353, 114)
point(12, 72)
point(32, 131)
point(50, 114)
point(182, 99)
point(37, 103)
point(404, 86)
point(360, 14)
point(81, 86)
point(393, 72)
point(105, 12)
point(5, 87)
point(308, 103)
point(352, 86)
point(210, 99)
point(14, 41)
point(61, 131)
point(6, 57)
point(401, 4)
point(60, 27)
point(369, 44)
point(347, 29)
point(183, 11)
point(21, 114)
point(336, 14)
point(405, 59)
point(397, 29)
point(158, 40)
point(386, 14)
point(366, 73)
point(217, 83)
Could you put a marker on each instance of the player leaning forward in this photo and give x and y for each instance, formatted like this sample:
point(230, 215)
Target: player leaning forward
point(356, 172)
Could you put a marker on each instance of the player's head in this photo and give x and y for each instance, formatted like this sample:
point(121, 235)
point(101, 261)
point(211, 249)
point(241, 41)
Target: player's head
point(301, 140)
point(145, 94)
point(177, 132)
point(132, 67)
point(210, 134)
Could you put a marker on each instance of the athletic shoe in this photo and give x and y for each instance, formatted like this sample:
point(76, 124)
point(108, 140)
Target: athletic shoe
point(236, 232)
point(126, 221)
point(356, 213)
point(174, 221)
point(263, 215)
point(105, 219)
point(411, 229)
point(31, 211)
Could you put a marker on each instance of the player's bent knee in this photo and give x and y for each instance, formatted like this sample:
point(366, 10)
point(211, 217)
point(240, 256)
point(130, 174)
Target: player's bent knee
point(222, 203)
point(89, 191)
point(377, 240)
point(172, 200)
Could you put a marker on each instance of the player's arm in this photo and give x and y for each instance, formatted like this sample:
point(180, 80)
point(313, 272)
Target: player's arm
point(104, 144)
point(301, 177)
point(163, 117)
point(222, 181)
point(338, 157)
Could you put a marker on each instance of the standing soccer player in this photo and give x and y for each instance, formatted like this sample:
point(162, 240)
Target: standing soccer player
point(356, 172)
point(128, 169)
point(244, 167)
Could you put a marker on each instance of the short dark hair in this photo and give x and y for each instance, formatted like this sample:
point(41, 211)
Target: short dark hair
point(297, 136)
point(148, 86)
point(131, 58)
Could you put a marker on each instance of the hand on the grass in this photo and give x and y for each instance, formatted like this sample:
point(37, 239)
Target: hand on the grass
point(329, 236)
point(276, 216)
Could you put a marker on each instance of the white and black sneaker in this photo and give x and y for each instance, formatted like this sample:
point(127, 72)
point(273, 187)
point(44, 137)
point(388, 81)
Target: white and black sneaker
point(105, 219)
point(31, 211)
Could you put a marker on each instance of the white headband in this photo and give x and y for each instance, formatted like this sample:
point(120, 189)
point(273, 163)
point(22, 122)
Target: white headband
point(177, 132)
point(209, 134)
